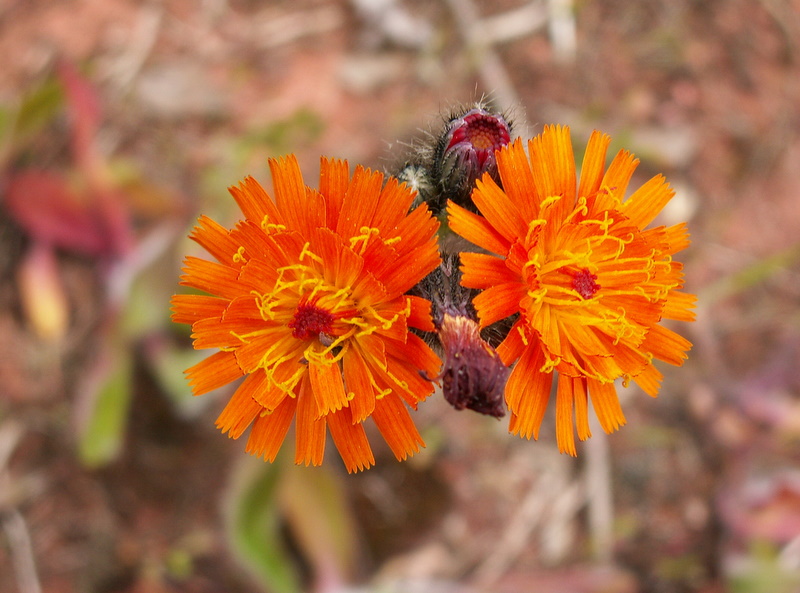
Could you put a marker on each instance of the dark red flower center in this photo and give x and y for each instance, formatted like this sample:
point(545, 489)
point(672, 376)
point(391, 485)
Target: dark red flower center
point(310, 321)
point(482, 130)
point(584, 283)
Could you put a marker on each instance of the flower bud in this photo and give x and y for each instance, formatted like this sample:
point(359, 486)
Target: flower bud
point(473, 376)
point(465, 151)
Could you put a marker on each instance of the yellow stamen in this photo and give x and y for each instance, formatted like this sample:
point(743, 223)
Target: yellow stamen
point(239, 256)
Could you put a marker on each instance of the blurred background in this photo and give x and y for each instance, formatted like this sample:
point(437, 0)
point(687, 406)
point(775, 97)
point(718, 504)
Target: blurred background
point(121, 121)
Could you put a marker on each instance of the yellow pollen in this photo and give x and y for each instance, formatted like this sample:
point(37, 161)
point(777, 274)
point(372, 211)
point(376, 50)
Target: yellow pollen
point(522, 334)
point(366, 234)
point(239, 257)
point(550, 364)
point(381, 393)
point(401, 384)
point(547, 202)
point(609, 191)
point(580, 208)
point(271, 227)
point(311, 255)
point(534, 227)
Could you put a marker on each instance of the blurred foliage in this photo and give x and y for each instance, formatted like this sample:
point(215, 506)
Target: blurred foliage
point(282, 136)
point(763, 570)
point(758, 272)
point(254, 529)
point(247, 154)
point(34, 112)
point(101, 439)
point(274, 509)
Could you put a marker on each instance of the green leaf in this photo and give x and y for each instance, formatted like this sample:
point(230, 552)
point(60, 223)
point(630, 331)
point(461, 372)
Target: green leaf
point(763, 570)
point(279, 137)
point(36, 109)
point(101, 440)
point(315, 506)
point(253, 526)
point(759, 272)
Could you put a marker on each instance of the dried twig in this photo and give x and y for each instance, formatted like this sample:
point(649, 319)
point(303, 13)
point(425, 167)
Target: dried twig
point(493, 73)
point(19, 543)
point(13, 524)
point(598, 487)
point(125, 69)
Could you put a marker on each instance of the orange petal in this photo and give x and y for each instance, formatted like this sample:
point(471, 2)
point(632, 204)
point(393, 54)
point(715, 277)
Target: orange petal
point(271, 393)
point(678, 306)
point(301, 208)
point(498, 209)
point(241, 316)
point(581, 398)
point(269, 430)
point(310, 429)
point(416, 229)
point(585, 338)
point(212, 278)
point(677, 236)
point(417, 355)
point(648, 201)
point(360, 202)
point(618, 176)
point(527, 393)
point(254, 202)
point(420, 314)
point(518, 183)
point(396, 309)
point(512, 347)
point(606, 404)
point(240, 411)
point(373, 351)
point(215, 371)
point(553, 167)
point(482, 270)
point(666, 345)
point(342, 266)
point(268, 246)
point(395, 200)
point(498, 302)
point(594, 163)
point(379, 257)
point(395, 424)
point(547, 324)
point(410, 268)
point(211, 333)
point(671, 239)
point(327, 385)
point(368, 290)
point(215, 239)
point(250, 354)
point(358, 382)
point(649, 380)
point(285, 378)
point(476, 229)
point(351, 441)
point(334, 177)
point(188, 308)
point(565, 436)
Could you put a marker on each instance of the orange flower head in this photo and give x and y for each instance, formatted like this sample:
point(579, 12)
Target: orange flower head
point(307, 301)
point(588, 280)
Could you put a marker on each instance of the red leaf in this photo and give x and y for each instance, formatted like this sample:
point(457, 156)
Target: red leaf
point(83, 105)
point(45, 207)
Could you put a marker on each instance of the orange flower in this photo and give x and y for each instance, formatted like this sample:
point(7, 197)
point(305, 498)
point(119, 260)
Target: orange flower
point(589, 282)
point(308, 304)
